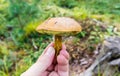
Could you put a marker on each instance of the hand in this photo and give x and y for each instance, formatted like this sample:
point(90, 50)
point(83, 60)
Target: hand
point(45, 67)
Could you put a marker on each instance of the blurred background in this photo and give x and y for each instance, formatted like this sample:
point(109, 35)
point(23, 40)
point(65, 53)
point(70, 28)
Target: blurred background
point(21, 45)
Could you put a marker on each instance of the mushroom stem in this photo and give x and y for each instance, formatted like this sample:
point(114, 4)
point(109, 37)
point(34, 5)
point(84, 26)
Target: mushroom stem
point(57, 44)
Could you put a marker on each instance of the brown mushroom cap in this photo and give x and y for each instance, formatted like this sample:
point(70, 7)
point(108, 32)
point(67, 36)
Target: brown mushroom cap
point(59, 26)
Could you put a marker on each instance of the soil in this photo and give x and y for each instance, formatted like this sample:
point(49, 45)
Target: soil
point(82, 49)
point(81, 57)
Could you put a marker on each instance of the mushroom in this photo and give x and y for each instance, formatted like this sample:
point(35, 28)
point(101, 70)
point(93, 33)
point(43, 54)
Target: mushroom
point(58, 27)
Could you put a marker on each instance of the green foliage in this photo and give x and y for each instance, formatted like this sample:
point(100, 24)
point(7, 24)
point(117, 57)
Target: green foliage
point(30, 27)
point(21, 11)
point(82, 34)
point(66, 3)
point(80, 13)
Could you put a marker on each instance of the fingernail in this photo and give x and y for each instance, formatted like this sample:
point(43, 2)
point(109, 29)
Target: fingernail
point(50, 51)
point(63, 47)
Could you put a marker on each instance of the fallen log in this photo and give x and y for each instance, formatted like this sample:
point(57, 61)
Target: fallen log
point(108, 61)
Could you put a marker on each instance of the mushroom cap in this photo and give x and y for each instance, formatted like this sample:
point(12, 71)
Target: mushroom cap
point(59, 26)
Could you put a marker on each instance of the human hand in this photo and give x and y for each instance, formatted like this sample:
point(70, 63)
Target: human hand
point(45, 67)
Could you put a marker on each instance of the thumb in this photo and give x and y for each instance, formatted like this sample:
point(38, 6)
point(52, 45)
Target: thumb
point(42, 64)
point(46, 60)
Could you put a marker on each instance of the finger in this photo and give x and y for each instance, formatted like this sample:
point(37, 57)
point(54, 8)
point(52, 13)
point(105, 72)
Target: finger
point(63, 47)
point(50, 45)
point(64, 53)
point(53, 74)
point(62, 62)
point(56, 68)
point(47, 58)
point(42, 64)
point(50, 68)
point(45, 73)
point(63, 65)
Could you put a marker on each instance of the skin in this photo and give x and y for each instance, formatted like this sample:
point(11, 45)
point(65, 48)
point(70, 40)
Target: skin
point(44, 65)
